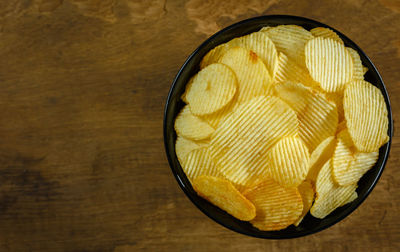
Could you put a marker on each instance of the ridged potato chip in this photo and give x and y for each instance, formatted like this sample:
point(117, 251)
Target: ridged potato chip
point(257, 42)
point(318, 117)
point(288, 161)
point(329, 195)
point(215, 119)
point(211, 89)
point(289, 70)
point(358, 71)
point(329, 63)
point(307, 194)
point(240, 143)
point(337, 98)
point(188, 86)
point(359, 165)
point(260, 44)
point(215, 54)
point(290, 40)
point(183, 146)
point(343, 154)
point(341, 126)
point(252, 75)
point(326, 33)
point(319, 156)
point(365, 70)
point(352, 198)
point(366, 115)
point(198, 162)
point(276, 207)
point(191, 126)
point(223, 194)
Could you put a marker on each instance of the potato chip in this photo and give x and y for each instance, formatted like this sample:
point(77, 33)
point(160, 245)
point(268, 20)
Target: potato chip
point(365, 70)
point(188, 86)
point(317, 116)
point(215, 54)
point(215, 119)
point(290, 40)
point(198, 162)
point(260, 44)
point(319, 156)
point(358, 71)
point(191, 126)
point(211, 89)
point(343, 154)
point(326, 33)
point(341, 126)
point(265, 28)
point(337, 98)
point(288, 70)
point(288, 161)
point(183, 146)
point(329, 63)
point(352, 198)
point(307, 195)
point(257, 42)
point(223, 194)
point(329, 195)
point(253, 78)
point(240, 143)
point(359, 165)
point(366, 115)
point(276, 207)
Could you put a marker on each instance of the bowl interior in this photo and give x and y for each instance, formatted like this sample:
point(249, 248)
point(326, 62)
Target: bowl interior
point(310, 224)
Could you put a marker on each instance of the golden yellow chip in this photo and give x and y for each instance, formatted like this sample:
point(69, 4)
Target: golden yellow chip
point(183, 146)
point(276, 207)
point(326, 33)
point(359, 165)
point(191, 126)
point(223, 194)
point(366, 115)
point(211, 89)
point(265, 28)
point(358, 71)
point(337, 98)
point(215, 54)
point(352, 198)
point(198, 162)
point(307, 194)
point(329, 63)
point(319, 156)
point(365, 70)
point(341, 126)
point(288, 161)
point(343, 154)
point(260, 44)
point(240, 143)
point(252, 75)
point(317, 116)
point(215, 119)
point(290, 40)
point(329, 195)
point(257, 42)
point(188, 86)
point(288, 70)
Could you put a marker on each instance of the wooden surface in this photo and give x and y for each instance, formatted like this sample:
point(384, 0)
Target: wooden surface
point(82, 91)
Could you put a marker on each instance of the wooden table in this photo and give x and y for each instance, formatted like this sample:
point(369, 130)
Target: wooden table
point(82, 90)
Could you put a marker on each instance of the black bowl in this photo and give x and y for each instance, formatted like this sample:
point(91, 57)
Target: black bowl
point(310, 224)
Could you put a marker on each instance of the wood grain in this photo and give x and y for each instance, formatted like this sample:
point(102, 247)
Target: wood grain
point(82, 91)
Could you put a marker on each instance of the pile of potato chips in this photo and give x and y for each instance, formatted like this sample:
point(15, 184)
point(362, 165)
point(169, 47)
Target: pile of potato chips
point(279, 123)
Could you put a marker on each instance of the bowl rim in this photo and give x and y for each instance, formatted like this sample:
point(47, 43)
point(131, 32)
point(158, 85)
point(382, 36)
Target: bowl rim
point(345, 212)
